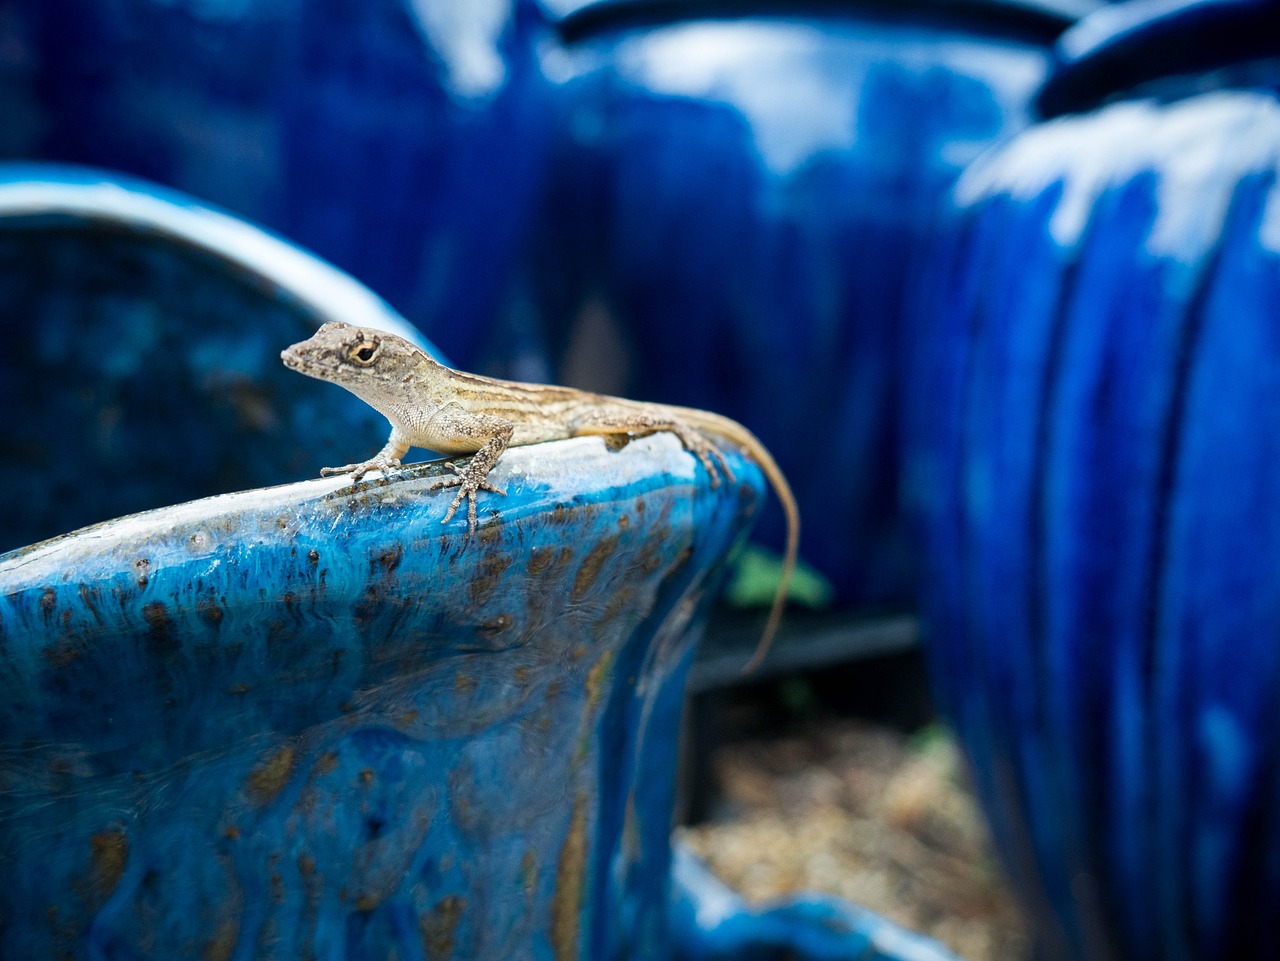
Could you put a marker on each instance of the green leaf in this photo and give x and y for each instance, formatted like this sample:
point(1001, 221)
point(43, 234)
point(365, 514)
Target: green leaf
point(755, 580)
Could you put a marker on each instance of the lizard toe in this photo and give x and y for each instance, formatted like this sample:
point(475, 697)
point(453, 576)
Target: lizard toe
point(709, 464)
point(724, 466)
point(708, 454)
point(453, 507)
point(333, 471)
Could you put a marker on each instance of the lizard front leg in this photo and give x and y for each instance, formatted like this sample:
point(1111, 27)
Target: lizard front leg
point(385, 460)
point(642, 423)
point(465, 428)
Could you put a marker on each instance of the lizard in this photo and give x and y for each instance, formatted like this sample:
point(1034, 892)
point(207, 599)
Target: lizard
point(438, 408)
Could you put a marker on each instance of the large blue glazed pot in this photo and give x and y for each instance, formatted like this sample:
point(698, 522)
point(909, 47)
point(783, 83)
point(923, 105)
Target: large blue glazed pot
point(1096, 461)
point(742, 187)
point(401, 140)
point(311, 721)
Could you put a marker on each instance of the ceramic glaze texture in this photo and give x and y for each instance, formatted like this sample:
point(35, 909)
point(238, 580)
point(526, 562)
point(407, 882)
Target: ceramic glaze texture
point(399, 139)
point(145, 334)
point(745, 196)
point(311, 721)
point(1097, 460)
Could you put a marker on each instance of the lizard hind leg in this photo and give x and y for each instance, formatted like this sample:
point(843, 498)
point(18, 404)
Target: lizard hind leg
point(617, 429)
point(471, 479)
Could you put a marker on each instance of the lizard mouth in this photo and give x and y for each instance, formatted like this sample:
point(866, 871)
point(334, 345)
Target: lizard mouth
point(309, 366)
point(295, 360)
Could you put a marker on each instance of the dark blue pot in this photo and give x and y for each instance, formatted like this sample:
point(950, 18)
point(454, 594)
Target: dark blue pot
point(1096, 460)
point(743, 189)
point(151, 328)
point(397, 139)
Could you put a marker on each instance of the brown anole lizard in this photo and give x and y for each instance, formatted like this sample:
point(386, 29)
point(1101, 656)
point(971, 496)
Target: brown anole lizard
point(435, 407)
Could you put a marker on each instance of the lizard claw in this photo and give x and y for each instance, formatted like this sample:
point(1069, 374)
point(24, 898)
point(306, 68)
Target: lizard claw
point(468, 484)
point(357, 471)
point(708, 453)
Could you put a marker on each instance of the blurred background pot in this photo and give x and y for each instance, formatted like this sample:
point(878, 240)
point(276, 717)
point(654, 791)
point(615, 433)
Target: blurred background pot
point(1095, 458)
point(735, 200)
point(151, 327)
point(402, 141)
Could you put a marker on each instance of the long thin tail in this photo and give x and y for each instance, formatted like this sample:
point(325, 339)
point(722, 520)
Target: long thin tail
point(735, 433)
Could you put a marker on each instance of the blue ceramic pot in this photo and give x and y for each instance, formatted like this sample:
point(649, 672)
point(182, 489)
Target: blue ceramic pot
point(309, 721)
point(312, 722)
point(710, 922)
point(402, 141)
point(151, 328)
point(1096, 460)
point(743, 189)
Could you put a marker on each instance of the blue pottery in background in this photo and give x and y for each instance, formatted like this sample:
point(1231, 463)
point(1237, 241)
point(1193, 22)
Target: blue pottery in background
point(403, 141)
point(743, 188)
point(710, 922)
point(151, 328)
point(1096, 460)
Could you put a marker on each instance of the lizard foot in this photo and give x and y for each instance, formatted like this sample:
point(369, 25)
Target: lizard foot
point(697, 444)
point(469, 482)
point(357, 471)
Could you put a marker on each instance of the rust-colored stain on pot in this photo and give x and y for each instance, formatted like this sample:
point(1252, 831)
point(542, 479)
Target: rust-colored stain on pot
point(566, 904)
point(223, 943)
point(529, 872)
point(209, 611)
point(62, 654)
point(619, 603)
point(108, 850)
point(592, 565)
point(596, 678)
point(439, 929)
point(268, 779)
point(486, 580)
point(161, 629)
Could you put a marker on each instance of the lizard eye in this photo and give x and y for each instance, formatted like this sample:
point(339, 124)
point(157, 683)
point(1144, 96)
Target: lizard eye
point(364, 353)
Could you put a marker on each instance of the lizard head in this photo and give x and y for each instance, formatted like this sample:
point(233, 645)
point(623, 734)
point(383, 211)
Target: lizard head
point(361, 359)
